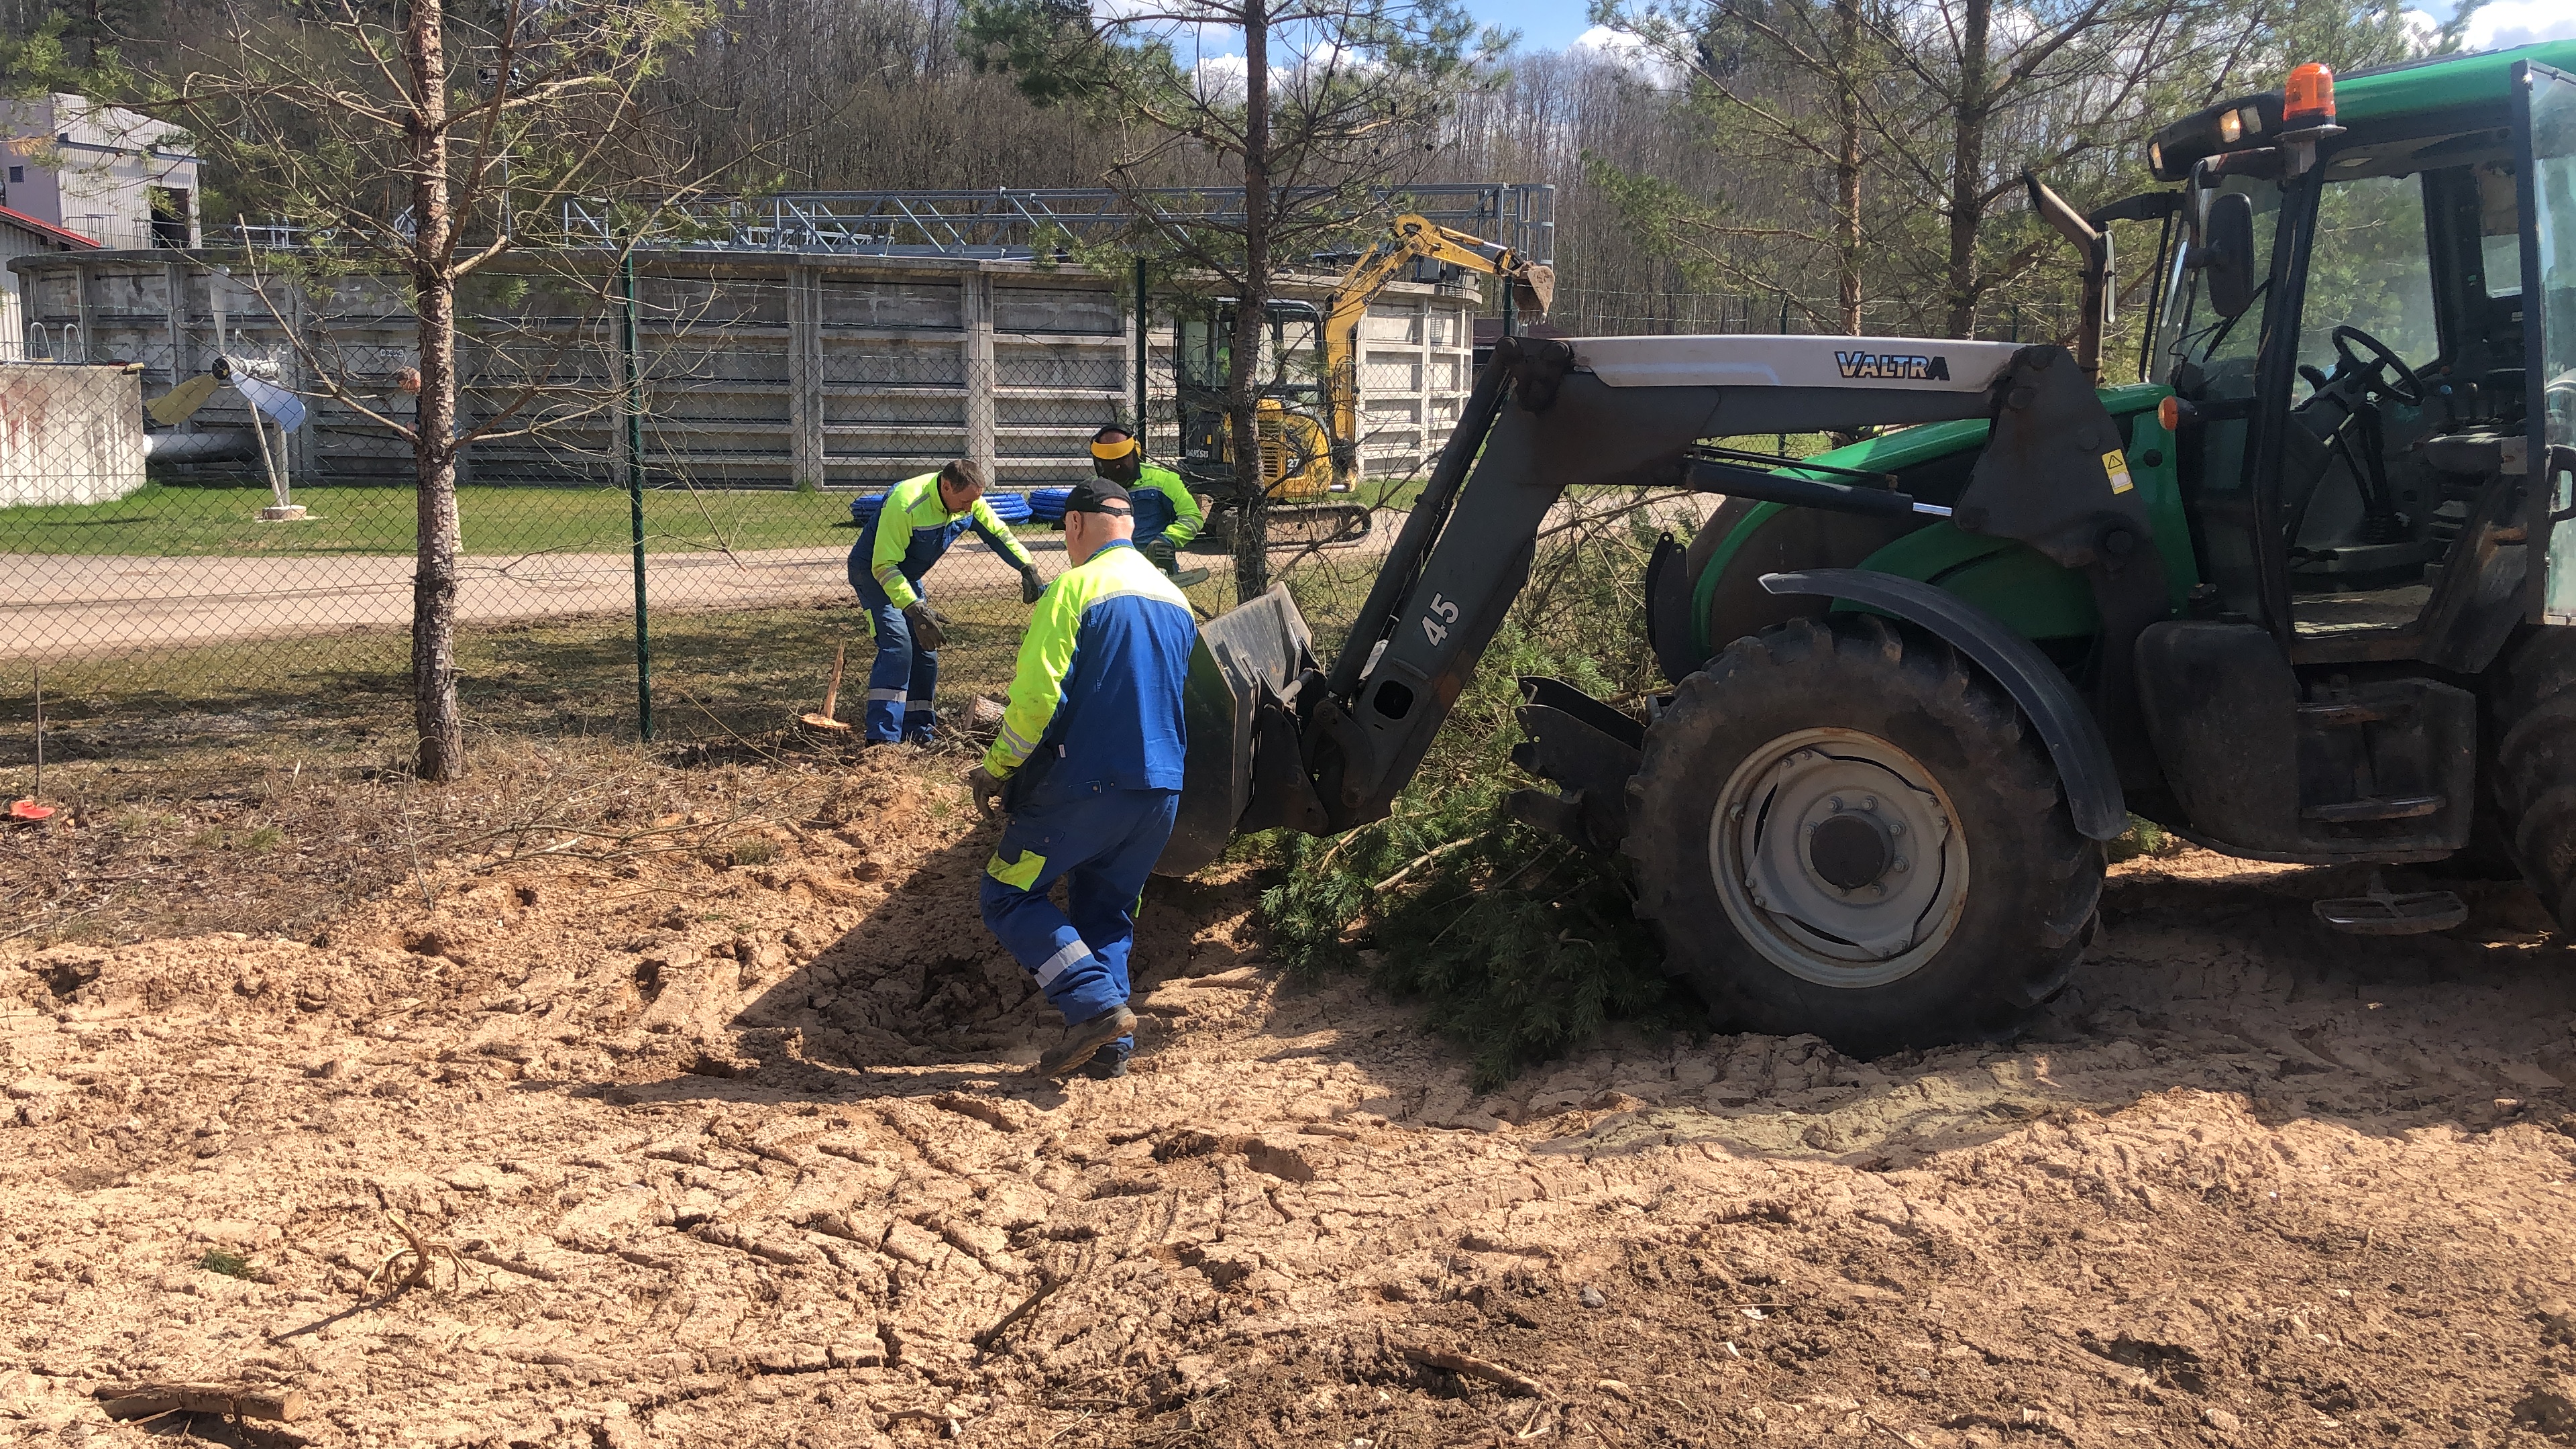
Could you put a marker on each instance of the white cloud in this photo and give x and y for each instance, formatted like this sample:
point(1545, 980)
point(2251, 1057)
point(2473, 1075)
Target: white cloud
point(1220, 77)
point(2508, 23)
point(1624, 50)
point(2504, 24)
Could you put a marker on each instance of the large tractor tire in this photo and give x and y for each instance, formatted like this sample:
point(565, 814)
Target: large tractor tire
point(2529, 738)
point(1841, 828)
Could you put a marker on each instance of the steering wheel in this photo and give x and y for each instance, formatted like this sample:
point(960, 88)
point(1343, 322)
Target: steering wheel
point(2399, 381)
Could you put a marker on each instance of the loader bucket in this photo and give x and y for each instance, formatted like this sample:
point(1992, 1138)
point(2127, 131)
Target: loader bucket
point(1245, 656)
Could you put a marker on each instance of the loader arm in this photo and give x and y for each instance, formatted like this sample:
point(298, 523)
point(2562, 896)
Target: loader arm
point(1411, 239)
point(1276, 740)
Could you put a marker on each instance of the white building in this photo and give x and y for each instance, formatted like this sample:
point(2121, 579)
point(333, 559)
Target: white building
point(122, 180)
point(24, 236)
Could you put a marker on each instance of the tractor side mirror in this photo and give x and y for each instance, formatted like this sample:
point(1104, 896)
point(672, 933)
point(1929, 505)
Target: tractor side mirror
point(2226, 252)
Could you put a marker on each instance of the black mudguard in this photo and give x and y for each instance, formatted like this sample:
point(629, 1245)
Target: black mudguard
point(1668, 610)
point(2074, 740)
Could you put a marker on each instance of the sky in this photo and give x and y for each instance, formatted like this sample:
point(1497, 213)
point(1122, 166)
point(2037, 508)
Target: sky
point(1556, 24)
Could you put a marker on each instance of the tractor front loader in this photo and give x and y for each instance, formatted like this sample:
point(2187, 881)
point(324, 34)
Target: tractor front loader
point(1917, 683)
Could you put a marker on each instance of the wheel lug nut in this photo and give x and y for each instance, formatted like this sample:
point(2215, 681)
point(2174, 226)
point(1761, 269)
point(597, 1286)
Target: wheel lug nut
point(1896, 827)
point(1869, 802)
point(1835, 804)
point(1899, 865)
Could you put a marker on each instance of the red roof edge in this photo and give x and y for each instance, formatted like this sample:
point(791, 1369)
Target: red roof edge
point(47, 229)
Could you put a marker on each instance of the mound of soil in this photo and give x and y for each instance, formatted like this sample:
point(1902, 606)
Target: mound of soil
point(734, 1148)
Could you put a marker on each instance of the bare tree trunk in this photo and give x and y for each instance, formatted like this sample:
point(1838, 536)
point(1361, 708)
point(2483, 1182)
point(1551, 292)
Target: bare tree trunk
point(1968, 166)
point(1243, 371)
point(1847, 162)
point(433, 608)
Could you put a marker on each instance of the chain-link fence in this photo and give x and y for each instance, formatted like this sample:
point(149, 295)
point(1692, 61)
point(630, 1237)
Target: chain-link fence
point(209, 500)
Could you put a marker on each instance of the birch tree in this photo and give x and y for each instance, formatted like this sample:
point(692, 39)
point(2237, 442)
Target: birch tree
point(425, 139)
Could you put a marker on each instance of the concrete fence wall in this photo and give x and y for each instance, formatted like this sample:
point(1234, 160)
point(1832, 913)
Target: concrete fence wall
point(762, 370)
point(68, 434)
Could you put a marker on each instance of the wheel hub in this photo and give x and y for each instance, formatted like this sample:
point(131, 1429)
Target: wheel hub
point(1850, 850)
point(1837, 855)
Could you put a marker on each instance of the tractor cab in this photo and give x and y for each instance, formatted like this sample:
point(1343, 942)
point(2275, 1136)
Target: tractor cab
point(2353, 332)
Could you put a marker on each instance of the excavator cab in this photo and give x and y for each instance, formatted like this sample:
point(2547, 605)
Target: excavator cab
point(2300, 593)
point(1298, 468)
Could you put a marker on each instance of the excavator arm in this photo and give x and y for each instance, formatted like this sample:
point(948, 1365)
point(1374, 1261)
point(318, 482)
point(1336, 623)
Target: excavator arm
point(1276, 739)
point(1411, 239)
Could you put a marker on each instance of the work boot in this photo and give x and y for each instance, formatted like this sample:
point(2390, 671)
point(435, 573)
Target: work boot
point(1083, 1040)
point(1106, 1065)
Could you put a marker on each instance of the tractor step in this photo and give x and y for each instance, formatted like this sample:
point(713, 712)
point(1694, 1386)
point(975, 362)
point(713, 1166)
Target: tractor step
point(2362, 811)
point(2386, 913)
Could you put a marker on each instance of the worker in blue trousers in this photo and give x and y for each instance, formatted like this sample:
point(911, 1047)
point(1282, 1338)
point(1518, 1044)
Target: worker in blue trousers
point(912, 529)
point(1088, 769)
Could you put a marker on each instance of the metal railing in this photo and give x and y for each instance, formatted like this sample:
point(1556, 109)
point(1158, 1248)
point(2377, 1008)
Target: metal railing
point(1018, 224)
point(1004, 224)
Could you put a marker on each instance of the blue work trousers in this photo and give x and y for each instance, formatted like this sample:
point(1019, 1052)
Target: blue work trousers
point(1102, 845)
point(904, 679)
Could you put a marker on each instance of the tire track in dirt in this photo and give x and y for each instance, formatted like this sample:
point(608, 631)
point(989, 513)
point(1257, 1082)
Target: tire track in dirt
point(740, 1154)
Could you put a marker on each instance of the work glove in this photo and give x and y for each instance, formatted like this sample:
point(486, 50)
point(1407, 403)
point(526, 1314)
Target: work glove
point(1031, 585)
point(1160, 550)
point(987, 790)
point(926, 633)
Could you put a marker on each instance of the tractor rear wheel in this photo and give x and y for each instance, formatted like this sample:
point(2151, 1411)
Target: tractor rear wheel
point(2529, 739)
point(1840, 828)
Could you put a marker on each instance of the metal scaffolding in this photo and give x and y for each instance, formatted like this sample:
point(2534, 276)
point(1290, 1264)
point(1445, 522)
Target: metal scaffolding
point(1018, 225)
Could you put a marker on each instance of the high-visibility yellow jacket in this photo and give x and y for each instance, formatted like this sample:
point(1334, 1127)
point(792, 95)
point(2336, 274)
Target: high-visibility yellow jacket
point(1099, 682)
point(913, 528)
point(1164, 505)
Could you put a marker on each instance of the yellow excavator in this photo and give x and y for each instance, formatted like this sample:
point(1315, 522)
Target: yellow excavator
point(1310, 426)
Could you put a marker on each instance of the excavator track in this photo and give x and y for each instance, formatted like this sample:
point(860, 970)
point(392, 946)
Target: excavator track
point(1306, 525)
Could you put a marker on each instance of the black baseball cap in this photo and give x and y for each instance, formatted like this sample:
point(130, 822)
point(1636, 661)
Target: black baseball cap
point(1097, 495)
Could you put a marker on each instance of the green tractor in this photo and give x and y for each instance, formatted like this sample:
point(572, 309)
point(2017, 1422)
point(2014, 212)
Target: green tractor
point(2296, 595)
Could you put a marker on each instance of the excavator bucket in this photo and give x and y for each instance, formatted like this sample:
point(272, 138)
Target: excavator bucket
point(1246, 667)
point(1534, 288)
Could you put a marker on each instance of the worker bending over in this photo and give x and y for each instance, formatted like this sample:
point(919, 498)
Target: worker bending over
point(920, 518)
point(1088, 765)
point(1167, 513)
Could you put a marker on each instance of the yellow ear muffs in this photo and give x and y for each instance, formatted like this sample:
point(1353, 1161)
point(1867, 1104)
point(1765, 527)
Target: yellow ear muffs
point(1112, 452)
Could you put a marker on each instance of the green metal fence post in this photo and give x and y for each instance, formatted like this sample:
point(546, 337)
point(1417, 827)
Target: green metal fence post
point(635, 496)
point(1140, 349)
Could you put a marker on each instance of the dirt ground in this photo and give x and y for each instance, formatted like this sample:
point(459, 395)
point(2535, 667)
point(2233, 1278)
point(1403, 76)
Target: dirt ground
point(710, 1153)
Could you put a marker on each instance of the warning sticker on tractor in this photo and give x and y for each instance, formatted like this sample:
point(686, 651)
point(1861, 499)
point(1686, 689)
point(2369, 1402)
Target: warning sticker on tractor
point(2116, 464)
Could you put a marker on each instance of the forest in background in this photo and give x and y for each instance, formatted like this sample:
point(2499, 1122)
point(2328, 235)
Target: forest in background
point(1848, 164)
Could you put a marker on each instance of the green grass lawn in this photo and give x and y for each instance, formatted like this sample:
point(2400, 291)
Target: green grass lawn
point(198, 520)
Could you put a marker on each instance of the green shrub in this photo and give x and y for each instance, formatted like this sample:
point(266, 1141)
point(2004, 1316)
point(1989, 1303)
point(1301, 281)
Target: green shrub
point(231, 1265)
point(1522, 946)
point(2143, 838)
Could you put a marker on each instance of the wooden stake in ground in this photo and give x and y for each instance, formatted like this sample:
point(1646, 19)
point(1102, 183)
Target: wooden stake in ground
point(831, 697)
point(32, 808)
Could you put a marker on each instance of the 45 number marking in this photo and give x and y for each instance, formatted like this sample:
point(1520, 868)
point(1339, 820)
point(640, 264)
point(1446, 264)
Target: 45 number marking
point(1437, 622)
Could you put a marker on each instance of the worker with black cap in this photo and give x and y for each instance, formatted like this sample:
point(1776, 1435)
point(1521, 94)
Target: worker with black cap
point(1088, 767)
point(1167, 513)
